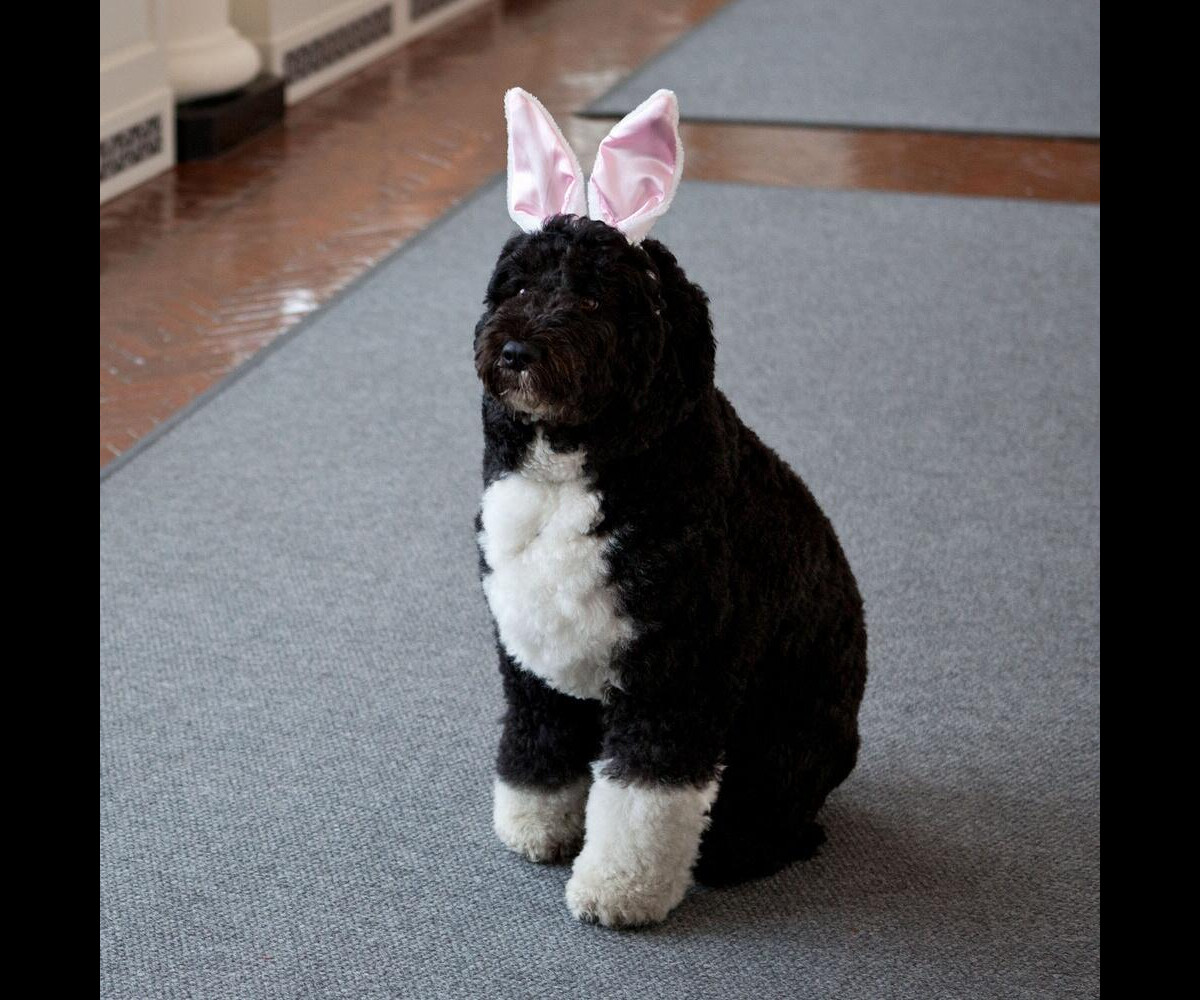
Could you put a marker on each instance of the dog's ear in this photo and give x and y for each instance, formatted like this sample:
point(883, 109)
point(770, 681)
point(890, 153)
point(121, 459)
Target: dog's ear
point(544, 178)
point(690, 336)
point(638, 166)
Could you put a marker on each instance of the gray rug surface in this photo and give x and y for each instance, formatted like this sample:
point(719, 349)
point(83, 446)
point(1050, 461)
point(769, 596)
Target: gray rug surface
point(299, 700)
point(1006, 66)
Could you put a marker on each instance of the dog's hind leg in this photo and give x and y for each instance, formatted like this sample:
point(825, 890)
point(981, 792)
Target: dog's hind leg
point(760, 824)
point(794, 740)
point(542, 768)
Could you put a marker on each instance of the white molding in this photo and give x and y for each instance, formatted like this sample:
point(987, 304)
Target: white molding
point(277, 27)
point(160, 102)
point(205, 54)
point(280, 26)
point(134, 84)
point(129, 74)
point(134, 87)
point(432, 20)
point(287, 36)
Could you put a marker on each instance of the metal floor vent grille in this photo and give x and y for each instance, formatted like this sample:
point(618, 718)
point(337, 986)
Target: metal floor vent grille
point(335, 45)
point(130, 146)
point(419, 8)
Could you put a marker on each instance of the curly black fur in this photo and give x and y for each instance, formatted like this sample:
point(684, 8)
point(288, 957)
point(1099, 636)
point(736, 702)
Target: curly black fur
point(750, 647)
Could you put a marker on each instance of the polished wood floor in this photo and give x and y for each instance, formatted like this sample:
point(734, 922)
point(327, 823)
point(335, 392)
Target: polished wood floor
point(205, 265)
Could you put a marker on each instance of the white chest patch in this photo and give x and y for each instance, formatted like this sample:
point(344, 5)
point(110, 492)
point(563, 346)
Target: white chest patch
point(548, 586)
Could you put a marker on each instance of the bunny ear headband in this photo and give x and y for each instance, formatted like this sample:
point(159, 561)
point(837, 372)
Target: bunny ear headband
point(637, 168)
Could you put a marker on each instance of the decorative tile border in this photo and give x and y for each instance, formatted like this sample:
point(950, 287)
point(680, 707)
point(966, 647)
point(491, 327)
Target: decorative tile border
point(419, 8)
point(130, 146)
point(313, 56)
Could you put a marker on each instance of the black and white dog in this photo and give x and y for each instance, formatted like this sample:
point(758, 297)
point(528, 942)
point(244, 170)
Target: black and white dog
point(681, 638)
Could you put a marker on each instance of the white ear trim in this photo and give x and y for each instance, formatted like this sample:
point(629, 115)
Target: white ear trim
point(638, 167)
point(544, 176)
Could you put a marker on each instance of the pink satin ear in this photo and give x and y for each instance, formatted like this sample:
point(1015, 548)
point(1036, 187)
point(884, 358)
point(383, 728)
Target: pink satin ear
point(638, 166)
point(544, 178)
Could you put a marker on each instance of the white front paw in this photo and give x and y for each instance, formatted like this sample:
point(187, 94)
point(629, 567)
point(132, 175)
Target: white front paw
point(621, 899)
point(642, 841)
point(542, 825)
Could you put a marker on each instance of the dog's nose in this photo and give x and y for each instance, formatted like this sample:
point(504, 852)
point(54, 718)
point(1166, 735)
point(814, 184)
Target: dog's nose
point(518, 356)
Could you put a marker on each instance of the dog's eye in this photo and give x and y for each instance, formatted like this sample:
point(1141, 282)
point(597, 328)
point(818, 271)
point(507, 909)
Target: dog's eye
point(521, 292)
point(589, 305)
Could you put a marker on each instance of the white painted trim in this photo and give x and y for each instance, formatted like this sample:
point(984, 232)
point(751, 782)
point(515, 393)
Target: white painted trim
point(275, 34)
point(431, 20)
point(160, 102)
point(338, 70)
point(271, 27)
point(134, 87)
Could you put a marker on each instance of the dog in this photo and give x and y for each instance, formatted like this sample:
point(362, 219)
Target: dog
point(681, 639)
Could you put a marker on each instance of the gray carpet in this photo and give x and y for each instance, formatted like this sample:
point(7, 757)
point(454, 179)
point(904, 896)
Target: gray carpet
point(1007, 66)
point(299, 704)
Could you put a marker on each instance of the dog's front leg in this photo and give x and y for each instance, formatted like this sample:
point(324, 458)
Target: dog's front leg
point(542, 769)
point(648, 806)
